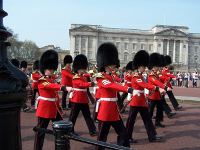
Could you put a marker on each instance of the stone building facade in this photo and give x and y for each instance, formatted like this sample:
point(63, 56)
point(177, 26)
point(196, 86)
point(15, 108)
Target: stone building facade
point(176, 41)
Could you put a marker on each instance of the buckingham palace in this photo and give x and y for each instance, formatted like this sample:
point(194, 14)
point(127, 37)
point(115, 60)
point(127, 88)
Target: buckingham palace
point(176, 41)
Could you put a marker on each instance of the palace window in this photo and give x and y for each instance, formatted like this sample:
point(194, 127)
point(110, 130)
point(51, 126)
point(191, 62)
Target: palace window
point(188, 49)
point(90, 56)
point(188, 60)
point(163, 47)
point(176, 59)
point(170, 48)
point(142, 46)
point(196, 48)
point(77, 43)
point(83, 44)
point(126, 46)
point(125, 58)
point(150, 47)
point(90, 44)
point(133, 46)
point(176, 48)
point(117, 45)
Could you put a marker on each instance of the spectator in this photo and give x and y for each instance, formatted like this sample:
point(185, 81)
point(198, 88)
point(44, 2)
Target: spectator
point(187, 79)
point(195, 78)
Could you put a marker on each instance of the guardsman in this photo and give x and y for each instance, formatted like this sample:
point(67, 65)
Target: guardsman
point(167, 74)
point(23, 67)
point(163, 78)
point(139, 104)
point(35, 76)
point(47, 103)
point(127, 80)
point(66, 79)
point(79, 100)
point(108, 111)
point(155, 98)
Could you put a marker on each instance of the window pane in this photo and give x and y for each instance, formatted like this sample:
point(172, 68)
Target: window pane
point(150, 47)
point(77, 43)
point(126, 46)
point(125, 57)
point(133, 46)
point(117, 45)
point(90, 44)
point(142, 46)
point(90, 55)
point(83, 44)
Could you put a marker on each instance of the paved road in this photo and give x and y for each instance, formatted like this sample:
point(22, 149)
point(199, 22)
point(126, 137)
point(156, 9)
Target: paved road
point(181, 132)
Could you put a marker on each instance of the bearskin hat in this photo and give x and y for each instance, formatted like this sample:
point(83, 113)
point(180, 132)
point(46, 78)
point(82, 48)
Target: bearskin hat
point(154, 60)
point(80, 62)
point(107, 55)
point(118, 64)
point(168, 60)
point(36, 65)
point(162, 61)
point(48, 60)
point(67, 59)
point(23, 64)
point(15, 62)
point(129, 66)
point(141, 58)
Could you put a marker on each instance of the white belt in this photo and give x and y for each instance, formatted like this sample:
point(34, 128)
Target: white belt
point(140, 91)
point(84, 90)
point(128, 82)
point(43, 98)
point(34, 80)
point(108, 99)
point(97, 87)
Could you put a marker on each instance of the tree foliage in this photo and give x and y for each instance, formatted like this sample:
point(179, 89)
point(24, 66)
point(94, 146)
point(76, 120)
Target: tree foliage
point(21, 50)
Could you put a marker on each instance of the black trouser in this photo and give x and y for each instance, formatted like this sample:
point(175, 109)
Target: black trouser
point(119, 101)
point(151, 132)
point(104, 127)
point(124, 95)
point(159, 112)
point(84, 107)
point(166, 107)
point(64, 96)
point(186, 83)
point(95, 113)
point(34, 94)
point(172, 99)
point(43, 123)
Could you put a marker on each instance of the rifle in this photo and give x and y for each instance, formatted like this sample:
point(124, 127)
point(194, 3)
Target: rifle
point(132, 99)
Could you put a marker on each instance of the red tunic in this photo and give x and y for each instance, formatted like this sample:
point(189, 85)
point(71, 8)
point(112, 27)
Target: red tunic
point(80, 86)
point(167, 74)
point(128, 77)
point(138, 83)
point(108, 109)
point(153, 79)
point(67, 76)
point(35, 76)
point(117, 79)
point(48, 101)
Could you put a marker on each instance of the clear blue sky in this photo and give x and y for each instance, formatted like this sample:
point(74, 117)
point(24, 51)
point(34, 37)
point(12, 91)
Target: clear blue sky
point(47, 22)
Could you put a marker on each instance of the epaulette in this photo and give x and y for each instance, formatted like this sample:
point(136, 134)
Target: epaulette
point(136, 75)
point(76, 77)
point(43, 78)
point(63, 68)
point(128, 74)
point(165, 69)
point(152, 74)
point(159, 73)
point(101, 76)
point(34, 72)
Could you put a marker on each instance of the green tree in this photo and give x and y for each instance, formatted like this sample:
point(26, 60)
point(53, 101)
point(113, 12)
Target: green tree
point(21, 50)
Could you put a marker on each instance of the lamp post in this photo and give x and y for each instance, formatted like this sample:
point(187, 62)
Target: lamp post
point(13, 93)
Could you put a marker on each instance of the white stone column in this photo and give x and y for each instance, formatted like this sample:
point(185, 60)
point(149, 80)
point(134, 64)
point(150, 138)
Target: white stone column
point(72, 45)
point(95, 47)
point(181, 52)
point(86, 46)
point(174, 51)
point(80, 44)
point(161, 46)
point(186, 53)
point(167, 47)
point(156, 45)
